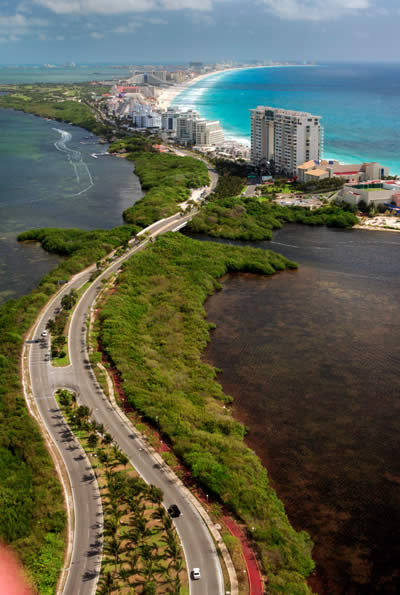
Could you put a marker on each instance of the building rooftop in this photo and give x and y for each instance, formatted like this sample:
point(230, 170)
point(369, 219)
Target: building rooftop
point(308, 164)
point(317, 172)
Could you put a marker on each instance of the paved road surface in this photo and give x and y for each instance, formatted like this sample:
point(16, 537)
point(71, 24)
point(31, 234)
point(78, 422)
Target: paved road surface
point(45, 379)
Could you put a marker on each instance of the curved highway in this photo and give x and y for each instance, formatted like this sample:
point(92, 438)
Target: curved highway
point(83, 571)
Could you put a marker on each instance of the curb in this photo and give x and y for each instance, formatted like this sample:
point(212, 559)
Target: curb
point(188, 494)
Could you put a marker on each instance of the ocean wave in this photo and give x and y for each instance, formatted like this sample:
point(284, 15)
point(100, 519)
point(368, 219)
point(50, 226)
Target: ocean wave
point(81, 170)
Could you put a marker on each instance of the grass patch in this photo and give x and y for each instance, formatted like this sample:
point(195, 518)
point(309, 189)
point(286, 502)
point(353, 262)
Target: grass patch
point(154, 330)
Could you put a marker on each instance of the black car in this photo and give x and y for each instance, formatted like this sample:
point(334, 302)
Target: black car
point(174, 511)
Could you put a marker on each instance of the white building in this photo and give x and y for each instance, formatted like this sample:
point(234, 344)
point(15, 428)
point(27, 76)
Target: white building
point(287, 137)
point(185, 128)
point(349, 172)
point(143, 116)
point(169, 119)
point(192, 129)
point(377, 193)
point(208, 132)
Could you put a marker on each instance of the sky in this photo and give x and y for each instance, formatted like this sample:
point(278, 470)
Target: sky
point(179, 31)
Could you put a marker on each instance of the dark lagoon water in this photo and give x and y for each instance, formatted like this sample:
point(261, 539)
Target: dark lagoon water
point(312, 359)
point(49, 179)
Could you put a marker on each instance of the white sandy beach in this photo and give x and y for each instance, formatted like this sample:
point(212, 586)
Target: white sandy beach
point(379, 223)
point(166, 96)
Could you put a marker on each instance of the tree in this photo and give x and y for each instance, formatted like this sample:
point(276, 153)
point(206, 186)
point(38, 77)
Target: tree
point(107, 584)
point(58, 342)
point(102, 456)
point(92, 440)
point(155, 494)
point(107, 438)
point(122, 459)
point(64, 398)
point(113, 547)
point(69, 299)
point(83, 413)
point(51, 325)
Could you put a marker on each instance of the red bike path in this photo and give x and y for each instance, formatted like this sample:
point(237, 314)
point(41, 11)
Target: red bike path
point(253, 572)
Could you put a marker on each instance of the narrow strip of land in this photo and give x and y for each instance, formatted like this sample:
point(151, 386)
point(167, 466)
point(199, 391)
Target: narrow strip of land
point(83, 572)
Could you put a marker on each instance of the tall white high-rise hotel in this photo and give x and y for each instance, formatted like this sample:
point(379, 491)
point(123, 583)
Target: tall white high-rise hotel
point(287, 137)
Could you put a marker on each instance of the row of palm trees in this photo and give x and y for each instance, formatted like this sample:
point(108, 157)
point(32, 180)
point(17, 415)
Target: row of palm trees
point(141, 543)
point(142, 551)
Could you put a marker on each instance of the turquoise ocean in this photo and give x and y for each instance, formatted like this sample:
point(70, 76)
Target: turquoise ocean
point(359, 104)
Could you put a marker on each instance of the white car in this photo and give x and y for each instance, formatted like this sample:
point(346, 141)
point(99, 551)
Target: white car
point(45, 333)
point(196, 574)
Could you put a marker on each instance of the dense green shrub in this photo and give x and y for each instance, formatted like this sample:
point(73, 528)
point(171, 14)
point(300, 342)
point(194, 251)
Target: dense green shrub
point(154, 330)
point(166, 178)
point(32, 518)
point(49, 101)
point(252, 219)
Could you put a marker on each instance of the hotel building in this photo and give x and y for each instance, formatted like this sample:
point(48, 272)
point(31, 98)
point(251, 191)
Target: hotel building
point(287, 137)
point(191, 129)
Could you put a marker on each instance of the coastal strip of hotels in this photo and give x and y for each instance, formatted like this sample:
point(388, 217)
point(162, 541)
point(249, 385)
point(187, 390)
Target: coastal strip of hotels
point(289, 142)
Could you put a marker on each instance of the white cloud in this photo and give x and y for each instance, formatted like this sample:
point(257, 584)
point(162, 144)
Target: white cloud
point(315, 10)
point(121, 6)
point(128, 27)
point(204, 20)
point(21, 21)
point(96, 6)
point(156, 21)
point(13, 27)
point(199, 5)
point(97, 35)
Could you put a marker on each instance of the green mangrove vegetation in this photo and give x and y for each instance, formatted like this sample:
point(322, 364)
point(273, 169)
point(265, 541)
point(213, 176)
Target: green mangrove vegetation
point(33, 517)
point(64, 103)
point(166, 179)
point(154, 330)
point(82, 247)
point(232, 178)
point(254, 219)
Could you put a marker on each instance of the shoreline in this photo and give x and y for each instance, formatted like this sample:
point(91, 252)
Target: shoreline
point(167, 96)
point(379, 223)
point(170, 95)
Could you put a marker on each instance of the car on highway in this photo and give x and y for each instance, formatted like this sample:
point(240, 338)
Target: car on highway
point(174, 511)
point(196, 574)
point(45, 333)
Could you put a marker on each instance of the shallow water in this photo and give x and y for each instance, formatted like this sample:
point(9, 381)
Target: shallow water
point(311, 358)
point(359, 104)
point(49, 179)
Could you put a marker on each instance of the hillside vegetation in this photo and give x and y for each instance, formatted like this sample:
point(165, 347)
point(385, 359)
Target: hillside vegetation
point(154, 329)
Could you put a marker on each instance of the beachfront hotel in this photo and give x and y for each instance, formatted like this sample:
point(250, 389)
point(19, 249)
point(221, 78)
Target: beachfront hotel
point(287, 137)
point(191, 129)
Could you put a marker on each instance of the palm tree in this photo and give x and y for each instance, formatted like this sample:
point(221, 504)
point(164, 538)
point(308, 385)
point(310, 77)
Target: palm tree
point(111, 525)
point(122, 459)
point(92, 440)
point(107, 438)
point(107, 584)
point(102, 456)
point(155, 494)
point(159, 514)
point(114, 547)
